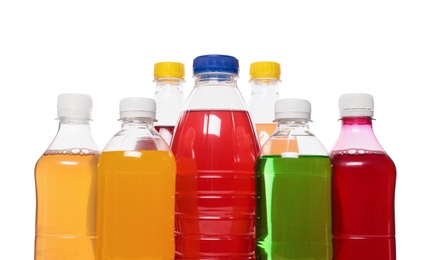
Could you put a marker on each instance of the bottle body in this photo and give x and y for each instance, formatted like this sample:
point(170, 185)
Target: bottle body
point(66, 196)
point(136, 205)
point(293, 176)
point(215, 147)
point(166, 131)
point(170, 101)
point(261, 107)
point(363, 194)
point(65, 180)
point(215, 185)
point(135, 197)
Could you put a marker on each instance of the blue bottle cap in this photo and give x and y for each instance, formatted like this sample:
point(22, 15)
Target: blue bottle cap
point(215, 63)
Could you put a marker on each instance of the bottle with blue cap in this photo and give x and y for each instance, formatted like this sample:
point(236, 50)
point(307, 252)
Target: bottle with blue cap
point(293, 189)
point(65, 179)
point(215, 147)
point(363, 186)
point(136, 187)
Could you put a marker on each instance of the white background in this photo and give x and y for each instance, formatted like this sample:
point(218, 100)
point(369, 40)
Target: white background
point(108, 48)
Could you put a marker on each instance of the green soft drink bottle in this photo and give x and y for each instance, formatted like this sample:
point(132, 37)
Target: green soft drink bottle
point(293, 178)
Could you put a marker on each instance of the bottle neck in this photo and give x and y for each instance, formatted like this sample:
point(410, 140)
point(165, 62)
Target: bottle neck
point(357, 133)
point(74, 121)
point(73, 133)
point(142, 126)
point(293, 127)
point(137, 122)
point(265, 86)
point(169, 84)
point(217, 78)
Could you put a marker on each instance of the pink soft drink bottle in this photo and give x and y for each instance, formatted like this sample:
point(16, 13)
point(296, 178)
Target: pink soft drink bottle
point(363, 186)
point(215, 147)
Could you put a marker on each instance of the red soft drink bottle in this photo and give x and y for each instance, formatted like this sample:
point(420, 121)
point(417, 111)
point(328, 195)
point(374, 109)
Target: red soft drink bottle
point(215, 147)
point(363, 186)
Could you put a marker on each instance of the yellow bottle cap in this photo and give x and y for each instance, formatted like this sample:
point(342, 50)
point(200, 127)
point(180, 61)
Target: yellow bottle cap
point(264, 69)
point(168, 70)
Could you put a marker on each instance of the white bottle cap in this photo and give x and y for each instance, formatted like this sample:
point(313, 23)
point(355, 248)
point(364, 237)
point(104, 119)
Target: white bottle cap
point(74, 105)
point(292, 108)
point(356, 104)
point(138, 107)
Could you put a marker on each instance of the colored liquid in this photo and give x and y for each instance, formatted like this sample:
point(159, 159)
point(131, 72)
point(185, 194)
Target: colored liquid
point(264, 131)
point(215, 199)
point(135, 205)
point(166, 132)
point(363, 205)
point(66, 201)
point(293, 214)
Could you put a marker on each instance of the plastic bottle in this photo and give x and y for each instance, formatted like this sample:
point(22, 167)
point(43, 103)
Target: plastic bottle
point(65, 179)
point(215, 147)
point(264, 80)
point(169, 80)
point(136, 187)
point(293, 180)
point(363, 186)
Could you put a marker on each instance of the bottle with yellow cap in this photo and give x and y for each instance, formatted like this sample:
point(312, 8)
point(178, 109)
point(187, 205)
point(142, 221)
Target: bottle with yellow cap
point(169, 96)
point(264, 81)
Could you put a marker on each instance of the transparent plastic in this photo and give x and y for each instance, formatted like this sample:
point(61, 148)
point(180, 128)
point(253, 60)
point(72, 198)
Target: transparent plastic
point(293, 180)
point(363, 194)
point(169, 96)
point(215, 147)
point(65, 179)
point(264, 93)
point(136, 187)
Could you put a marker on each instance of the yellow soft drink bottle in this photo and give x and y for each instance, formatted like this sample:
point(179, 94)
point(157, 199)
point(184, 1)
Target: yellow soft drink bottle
point(136, 186)
point(65, 178)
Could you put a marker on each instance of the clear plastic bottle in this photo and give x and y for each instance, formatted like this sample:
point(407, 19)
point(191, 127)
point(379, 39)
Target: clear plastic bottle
point(264, 80)
point(136, 187)
point(293, 180)
point(363, 186)
point(65, 179)
point(169, 96)
point(215, 147)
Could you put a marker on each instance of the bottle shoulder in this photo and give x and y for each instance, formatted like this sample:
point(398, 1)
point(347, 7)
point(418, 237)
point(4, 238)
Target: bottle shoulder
point(139, 138)
point(72, 138)
point(353, 137)
point(293, 146)
point(216, 96)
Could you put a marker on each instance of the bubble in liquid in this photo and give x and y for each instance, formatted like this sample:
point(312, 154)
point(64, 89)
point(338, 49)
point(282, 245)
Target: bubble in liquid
point(85, 151)
point(73, 151)
point(351, 151)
